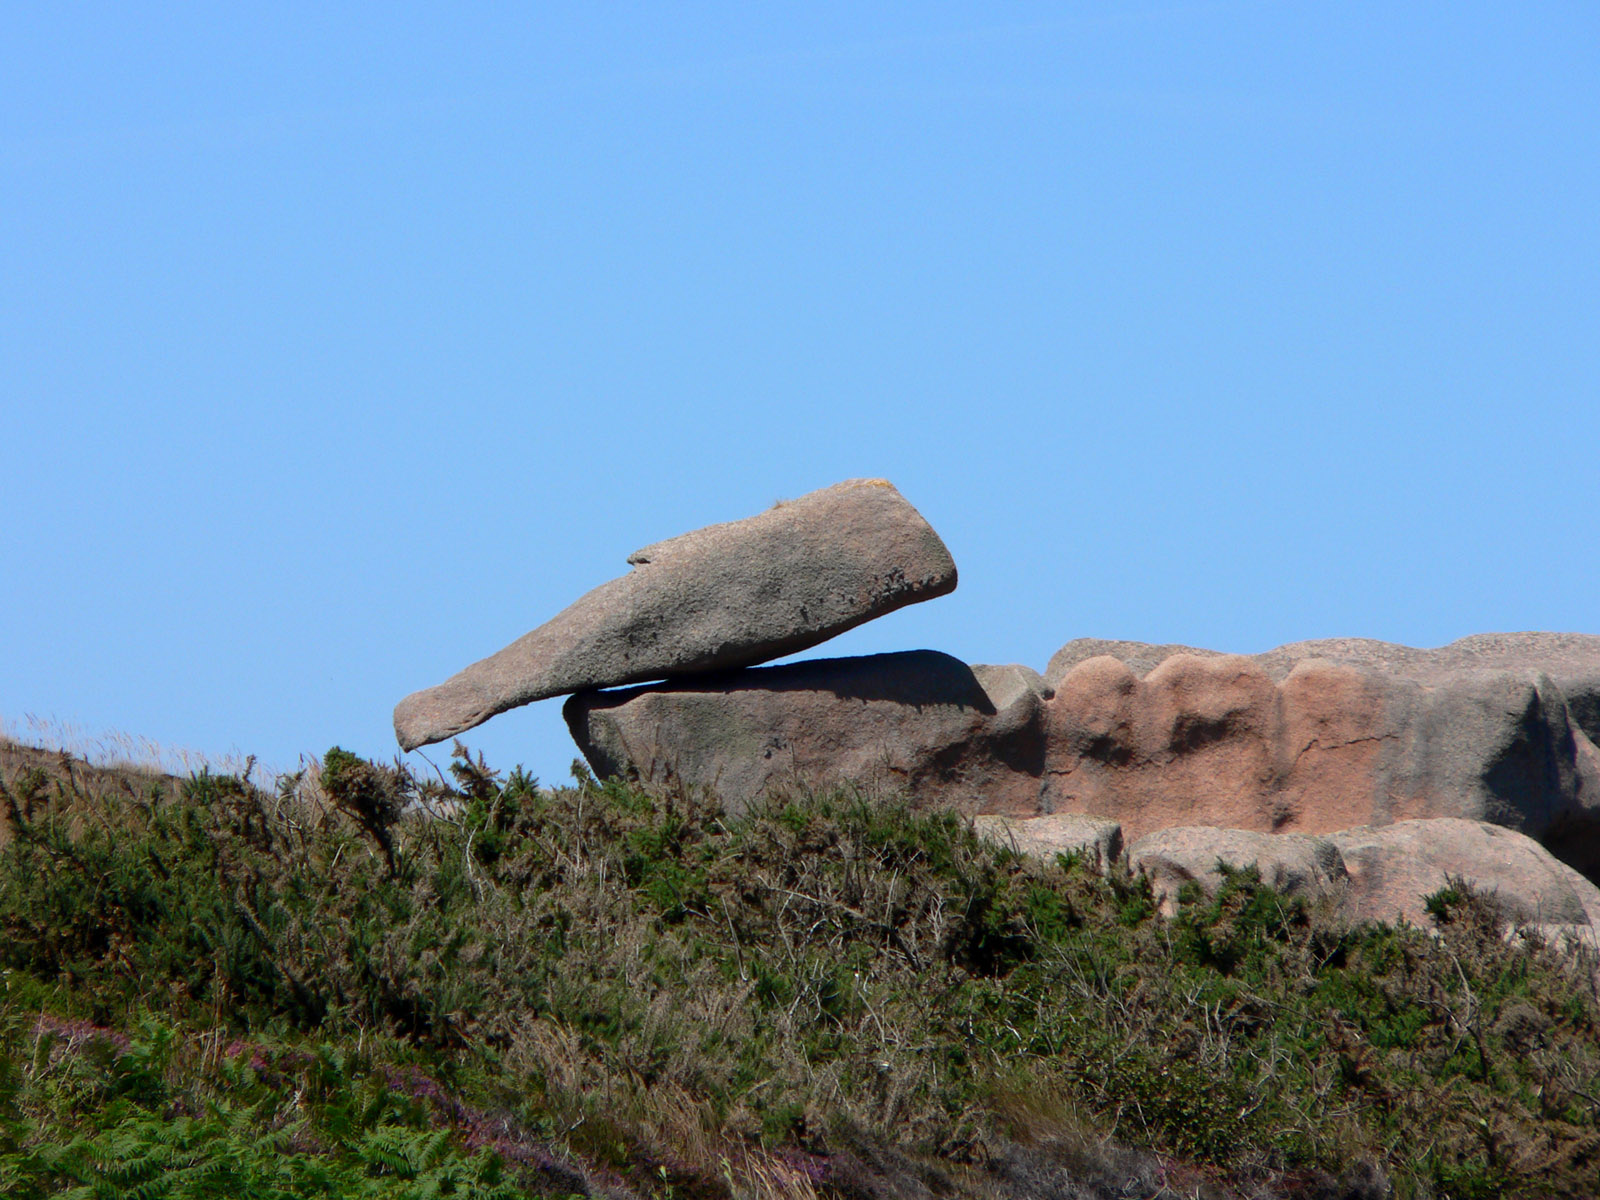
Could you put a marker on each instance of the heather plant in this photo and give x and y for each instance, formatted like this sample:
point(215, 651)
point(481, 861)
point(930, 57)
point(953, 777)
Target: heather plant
point(603, 988)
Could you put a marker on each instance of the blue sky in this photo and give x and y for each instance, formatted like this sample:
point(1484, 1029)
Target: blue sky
point(340, 348)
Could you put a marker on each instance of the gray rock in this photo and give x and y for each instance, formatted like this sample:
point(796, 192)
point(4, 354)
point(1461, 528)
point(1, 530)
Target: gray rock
point(724, 596)
point(1308, 739)
point(1058, 833)
point(1380, 873)
point(1139, 657)
point(1006, 685)
point(1572, 659)
point(1294, 864)
point(1332, 734)
point(1393, 868)
point(968, 738)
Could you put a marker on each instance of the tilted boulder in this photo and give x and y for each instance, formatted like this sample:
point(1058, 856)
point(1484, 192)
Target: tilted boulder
point(961, 737)
point(1327, 735)
point(725, 596)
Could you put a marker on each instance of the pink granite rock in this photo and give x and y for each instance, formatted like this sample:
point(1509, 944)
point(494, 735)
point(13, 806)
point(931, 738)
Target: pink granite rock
point(1307, 739)
point(1393, 868)
point(1320, 736)
point(724, 596)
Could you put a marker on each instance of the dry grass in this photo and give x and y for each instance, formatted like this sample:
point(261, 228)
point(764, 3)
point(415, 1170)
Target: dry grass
point(131, 753)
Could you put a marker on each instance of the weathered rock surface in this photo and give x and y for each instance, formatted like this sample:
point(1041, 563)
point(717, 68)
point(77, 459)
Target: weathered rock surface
point(1392, 868)
point(1061, 833)
point(725, 596)
point(1308, 738)
point(968, 738)
point(1328, 735)
point(1379, 873)
point(1296, 864)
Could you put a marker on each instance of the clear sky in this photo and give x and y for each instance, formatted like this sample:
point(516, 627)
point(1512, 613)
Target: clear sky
point(340, 345)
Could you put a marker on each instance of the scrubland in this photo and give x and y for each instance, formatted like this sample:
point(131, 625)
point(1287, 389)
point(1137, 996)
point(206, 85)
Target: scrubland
point(364, 983)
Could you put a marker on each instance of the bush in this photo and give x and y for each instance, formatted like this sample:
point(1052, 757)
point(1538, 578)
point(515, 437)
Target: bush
point(828, 993)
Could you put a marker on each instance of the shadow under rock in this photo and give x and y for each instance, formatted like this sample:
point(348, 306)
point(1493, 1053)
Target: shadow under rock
point(915, 678)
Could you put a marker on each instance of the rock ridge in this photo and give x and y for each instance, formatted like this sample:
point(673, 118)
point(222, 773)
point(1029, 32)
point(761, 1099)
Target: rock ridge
point(1308, 738)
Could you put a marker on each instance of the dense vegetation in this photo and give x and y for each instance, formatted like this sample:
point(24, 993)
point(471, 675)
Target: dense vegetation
point(365, 984)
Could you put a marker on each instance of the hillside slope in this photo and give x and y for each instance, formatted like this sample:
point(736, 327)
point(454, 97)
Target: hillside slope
point(372, 984)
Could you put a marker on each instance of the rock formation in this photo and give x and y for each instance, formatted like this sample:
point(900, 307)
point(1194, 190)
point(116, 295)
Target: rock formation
point(1349, 768)
point(725, 596)
point(1309, 738)
point(1326, 735)
point(1392, 867)
point(1379, 873)
point(962, 737)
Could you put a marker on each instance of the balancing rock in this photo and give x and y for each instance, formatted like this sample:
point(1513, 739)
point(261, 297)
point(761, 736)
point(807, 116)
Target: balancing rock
point(725, 596)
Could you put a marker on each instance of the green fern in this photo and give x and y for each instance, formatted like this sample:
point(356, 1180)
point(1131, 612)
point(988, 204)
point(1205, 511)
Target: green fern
point(183, 1158)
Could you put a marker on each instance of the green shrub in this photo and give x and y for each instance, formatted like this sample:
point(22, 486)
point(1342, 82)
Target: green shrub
point(92, 1115)
point(642, 983)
